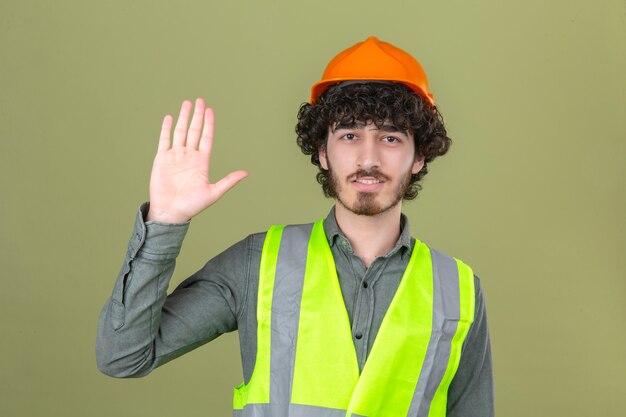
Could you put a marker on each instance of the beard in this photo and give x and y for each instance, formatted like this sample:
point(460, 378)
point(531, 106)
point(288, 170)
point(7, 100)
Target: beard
point(366, 203)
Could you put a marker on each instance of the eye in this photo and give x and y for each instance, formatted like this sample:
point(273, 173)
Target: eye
point(349, 136)
point(391, 139)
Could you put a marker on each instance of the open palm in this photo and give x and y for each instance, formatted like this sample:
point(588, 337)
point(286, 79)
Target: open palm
point(180, 186)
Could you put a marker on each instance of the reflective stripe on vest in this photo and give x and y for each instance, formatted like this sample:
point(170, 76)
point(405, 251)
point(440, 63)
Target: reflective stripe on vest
point(306, 363)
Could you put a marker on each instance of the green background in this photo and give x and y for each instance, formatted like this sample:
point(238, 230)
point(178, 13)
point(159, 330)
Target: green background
point(532, 193)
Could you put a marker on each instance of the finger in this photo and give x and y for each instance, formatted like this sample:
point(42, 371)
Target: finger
point(206, 141)
point(193, 136)
point(164, 139)
point(180, 132)
point(229, 182)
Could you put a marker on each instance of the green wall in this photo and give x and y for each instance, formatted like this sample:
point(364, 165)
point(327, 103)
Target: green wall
point(532, 194)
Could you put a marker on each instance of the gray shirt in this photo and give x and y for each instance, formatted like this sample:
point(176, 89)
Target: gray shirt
point(141, 327)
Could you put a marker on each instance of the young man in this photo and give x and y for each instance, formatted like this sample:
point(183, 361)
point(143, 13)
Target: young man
point(346, 316)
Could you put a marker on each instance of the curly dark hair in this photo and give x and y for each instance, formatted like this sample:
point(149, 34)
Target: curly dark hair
point(376, 102)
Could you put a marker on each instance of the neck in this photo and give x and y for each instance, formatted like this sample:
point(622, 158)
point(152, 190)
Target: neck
point(370, 236)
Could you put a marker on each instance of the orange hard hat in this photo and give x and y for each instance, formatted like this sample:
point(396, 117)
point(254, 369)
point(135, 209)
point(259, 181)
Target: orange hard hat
point(373, 60)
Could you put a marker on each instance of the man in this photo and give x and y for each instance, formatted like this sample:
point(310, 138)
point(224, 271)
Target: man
point(346, 316)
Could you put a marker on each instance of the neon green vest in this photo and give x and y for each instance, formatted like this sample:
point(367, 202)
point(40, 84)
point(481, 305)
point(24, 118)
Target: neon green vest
point(306, 364)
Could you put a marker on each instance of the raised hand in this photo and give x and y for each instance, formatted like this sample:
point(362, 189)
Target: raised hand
point(179, 183)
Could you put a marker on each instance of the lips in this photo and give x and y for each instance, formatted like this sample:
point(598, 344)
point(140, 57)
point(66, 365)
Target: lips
point(368, 176)
point(368, 180)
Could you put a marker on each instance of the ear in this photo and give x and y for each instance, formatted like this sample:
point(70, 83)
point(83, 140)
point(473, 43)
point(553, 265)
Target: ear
point(418, 164)
point(322, 158)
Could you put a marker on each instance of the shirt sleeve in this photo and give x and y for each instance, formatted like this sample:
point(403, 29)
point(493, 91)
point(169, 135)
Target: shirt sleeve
point(471, 390)
point(140, 326)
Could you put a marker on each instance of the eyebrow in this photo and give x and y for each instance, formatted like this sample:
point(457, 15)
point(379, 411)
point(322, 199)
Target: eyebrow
point(360, 125)
point(355, 125)
point(392, 129)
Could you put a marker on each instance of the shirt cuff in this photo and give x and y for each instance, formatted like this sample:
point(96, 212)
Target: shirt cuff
point(156, 240)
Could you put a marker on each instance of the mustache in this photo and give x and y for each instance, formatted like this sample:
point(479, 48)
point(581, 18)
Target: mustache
point(372, 172)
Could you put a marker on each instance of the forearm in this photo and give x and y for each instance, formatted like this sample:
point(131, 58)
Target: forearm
point(130, 319)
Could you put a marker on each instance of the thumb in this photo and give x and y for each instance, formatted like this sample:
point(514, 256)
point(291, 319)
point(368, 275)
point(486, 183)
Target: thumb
point(228, 182)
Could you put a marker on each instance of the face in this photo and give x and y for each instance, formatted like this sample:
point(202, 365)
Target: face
point(370, 168)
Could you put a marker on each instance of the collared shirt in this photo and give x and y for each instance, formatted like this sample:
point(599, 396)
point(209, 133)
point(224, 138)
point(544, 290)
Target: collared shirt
point(141, 327)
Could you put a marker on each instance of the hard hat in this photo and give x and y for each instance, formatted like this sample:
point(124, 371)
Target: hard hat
point(373, 59)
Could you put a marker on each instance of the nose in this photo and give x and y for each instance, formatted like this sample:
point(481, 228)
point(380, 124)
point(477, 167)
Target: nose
point(368, 155)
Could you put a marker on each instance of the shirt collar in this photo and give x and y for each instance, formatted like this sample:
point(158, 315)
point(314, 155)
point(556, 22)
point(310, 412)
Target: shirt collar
point(336, 237)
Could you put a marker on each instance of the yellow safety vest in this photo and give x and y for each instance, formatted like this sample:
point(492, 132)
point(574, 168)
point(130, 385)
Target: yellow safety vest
point(306, 363)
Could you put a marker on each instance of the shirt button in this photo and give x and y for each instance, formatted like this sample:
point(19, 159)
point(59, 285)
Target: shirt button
point(358, 335)
point(364, 284)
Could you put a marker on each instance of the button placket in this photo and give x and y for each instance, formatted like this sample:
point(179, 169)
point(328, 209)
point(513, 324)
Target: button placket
point(359, 326)
point(366, 309)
